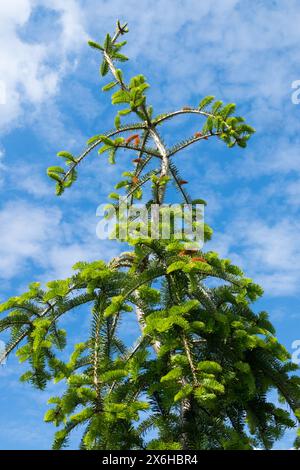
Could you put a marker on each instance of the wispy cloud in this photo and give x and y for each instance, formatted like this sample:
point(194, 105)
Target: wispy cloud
point(241, 51)
point(39, 238)
point(31, 69)
point(269, 252)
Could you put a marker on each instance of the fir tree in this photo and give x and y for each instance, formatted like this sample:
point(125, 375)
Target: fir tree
point(201, 371)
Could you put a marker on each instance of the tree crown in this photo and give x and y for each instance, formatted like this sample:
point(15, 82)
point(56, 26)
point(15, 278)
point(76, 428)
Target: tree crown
point(201, 370)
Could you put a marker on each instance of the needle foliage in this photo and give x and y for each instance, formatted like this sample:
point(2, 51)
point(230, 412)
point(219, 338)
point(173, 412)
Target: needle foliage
point(200, 374)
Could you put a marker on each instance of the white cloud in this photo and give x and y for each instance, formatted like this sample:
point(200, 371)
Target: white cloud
point(25, 231)
point(234, 46)
point(27, 178)
point(292, 191)
point(241, 51)
point(39, 238)
point(269, 252)
point(2, 153)
point(62, 257)
point(31, 70)
point(214, 44)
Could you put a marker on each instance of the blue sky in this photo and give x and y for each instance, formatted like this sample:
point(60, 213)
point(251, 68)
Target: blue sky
point(245, 52)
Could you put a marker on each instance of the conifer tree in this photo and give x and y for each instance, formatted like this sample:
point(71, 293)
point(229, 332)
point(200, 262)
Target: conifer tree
point(201, 371)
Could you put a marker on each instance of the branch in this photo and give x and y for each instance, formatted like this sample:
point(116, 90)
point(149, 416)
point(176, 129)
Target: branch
point(138, 185)
point(148, 151)
point(192, 141)
point(43, 314)
point(185, 197)
point(183, 111)
point(130, 127)
point(190, 359)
